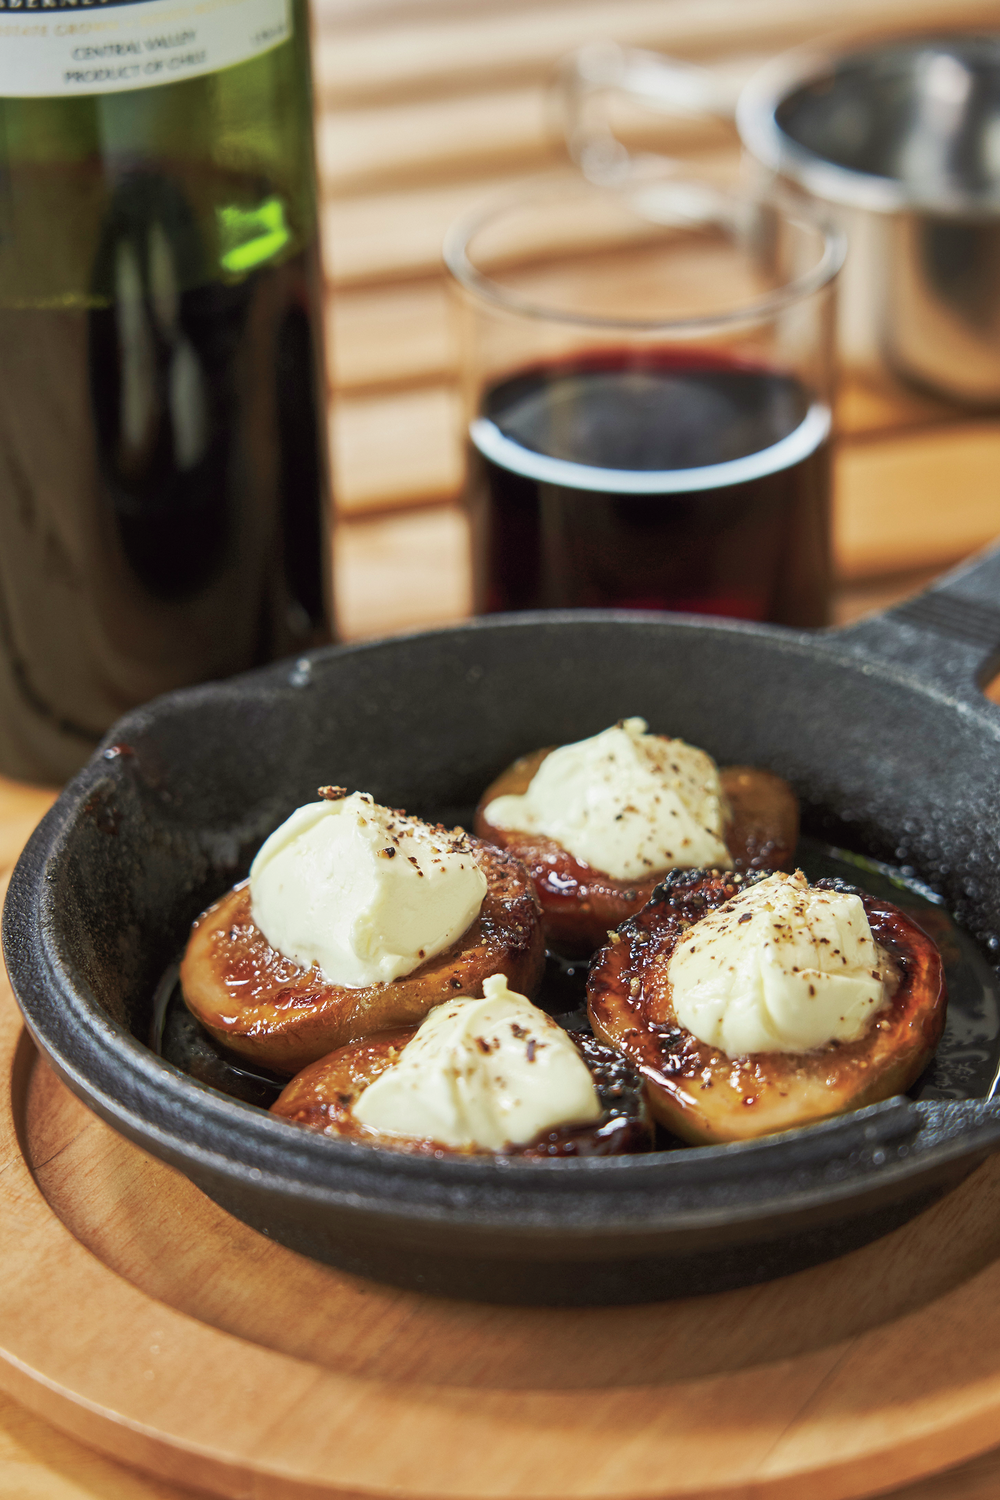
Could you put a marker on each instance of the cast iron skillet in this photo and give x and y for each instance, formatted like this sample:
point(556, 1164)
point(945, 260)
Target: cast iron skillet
point(881, 729)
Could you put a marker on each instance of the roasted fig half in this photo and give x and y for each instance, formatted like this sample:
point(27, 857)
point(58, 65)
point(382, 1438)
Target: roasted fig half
point(267, 1008)
point(322, 1097)
point(704, 1095)
point(581, 904)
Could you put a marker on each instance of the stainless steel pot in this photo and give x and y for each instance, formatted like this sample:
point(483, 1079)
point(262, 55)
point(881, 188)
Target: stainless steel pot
point(898, 143)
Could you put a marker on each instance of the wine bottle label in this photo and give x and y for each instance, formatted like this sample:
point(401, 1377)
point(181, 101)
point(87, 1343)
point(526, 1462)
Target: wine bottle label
point(52, 48)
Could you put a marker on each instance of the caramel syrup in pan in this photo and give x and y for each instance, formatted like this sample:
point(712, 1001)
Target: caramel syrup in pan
point(965, 1066)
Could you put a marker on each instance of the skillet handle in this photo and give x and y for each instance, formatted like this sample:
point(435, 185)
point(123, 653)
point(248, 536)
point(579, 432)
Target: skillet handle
point(947, 637)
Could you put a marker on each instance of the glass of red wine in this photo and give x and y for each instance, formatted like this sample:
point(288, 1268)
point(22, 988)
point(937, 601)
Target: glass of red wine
point(647, 373)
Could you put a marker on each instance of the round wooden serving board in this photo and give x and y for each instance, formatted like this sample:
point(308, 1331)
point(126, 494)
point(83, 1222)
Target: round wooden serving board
point(140, 1317)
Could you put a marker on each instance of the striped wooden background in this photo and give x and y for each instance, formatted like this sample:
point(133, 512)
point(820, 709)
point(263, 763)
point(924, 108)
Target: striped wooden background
point(424, 109)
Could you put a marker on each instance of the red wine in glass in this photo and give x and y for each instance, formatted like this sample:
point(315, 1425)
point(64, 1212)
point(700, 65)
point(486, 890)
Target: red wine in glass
point(655, 481)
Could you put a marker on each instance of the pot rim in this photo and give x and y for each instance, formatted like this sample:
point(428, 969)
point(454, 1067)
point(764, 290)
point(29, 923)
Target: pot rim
point(756, 120)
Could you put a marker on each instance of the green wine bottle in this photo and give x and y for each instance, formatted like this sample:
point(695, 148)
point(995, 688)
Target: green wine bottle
point(164, 494)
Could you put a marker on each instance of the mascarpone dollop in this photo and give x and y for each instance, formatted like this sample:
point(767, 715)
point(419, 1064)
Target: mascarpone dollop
point(626, 803)
point(482, 1073)
point(365, 893)
point(779, 968)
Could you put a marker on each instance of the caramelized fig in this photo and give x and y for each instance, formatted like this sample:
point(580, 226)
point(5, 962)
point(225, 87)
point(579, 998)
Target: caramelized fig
point(580, 904)
point(322, 1097)
point(269, 1009)
point(704, 1096)
point(763, 828)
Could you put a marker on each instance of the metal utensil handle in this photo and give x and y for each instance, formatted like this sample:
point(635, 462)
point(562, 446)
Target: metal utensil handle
point(668, 85)
point(948, 636)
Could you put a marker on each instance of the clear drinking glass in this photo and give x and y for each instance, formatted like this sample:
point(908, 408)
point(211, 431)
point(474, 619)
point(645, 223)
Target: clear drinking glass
point(647, 383)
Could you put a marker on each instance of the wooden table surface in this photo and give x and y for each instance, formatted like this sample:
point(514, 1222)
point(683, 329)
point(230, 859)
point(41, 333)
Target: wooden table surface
point(424, 106)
